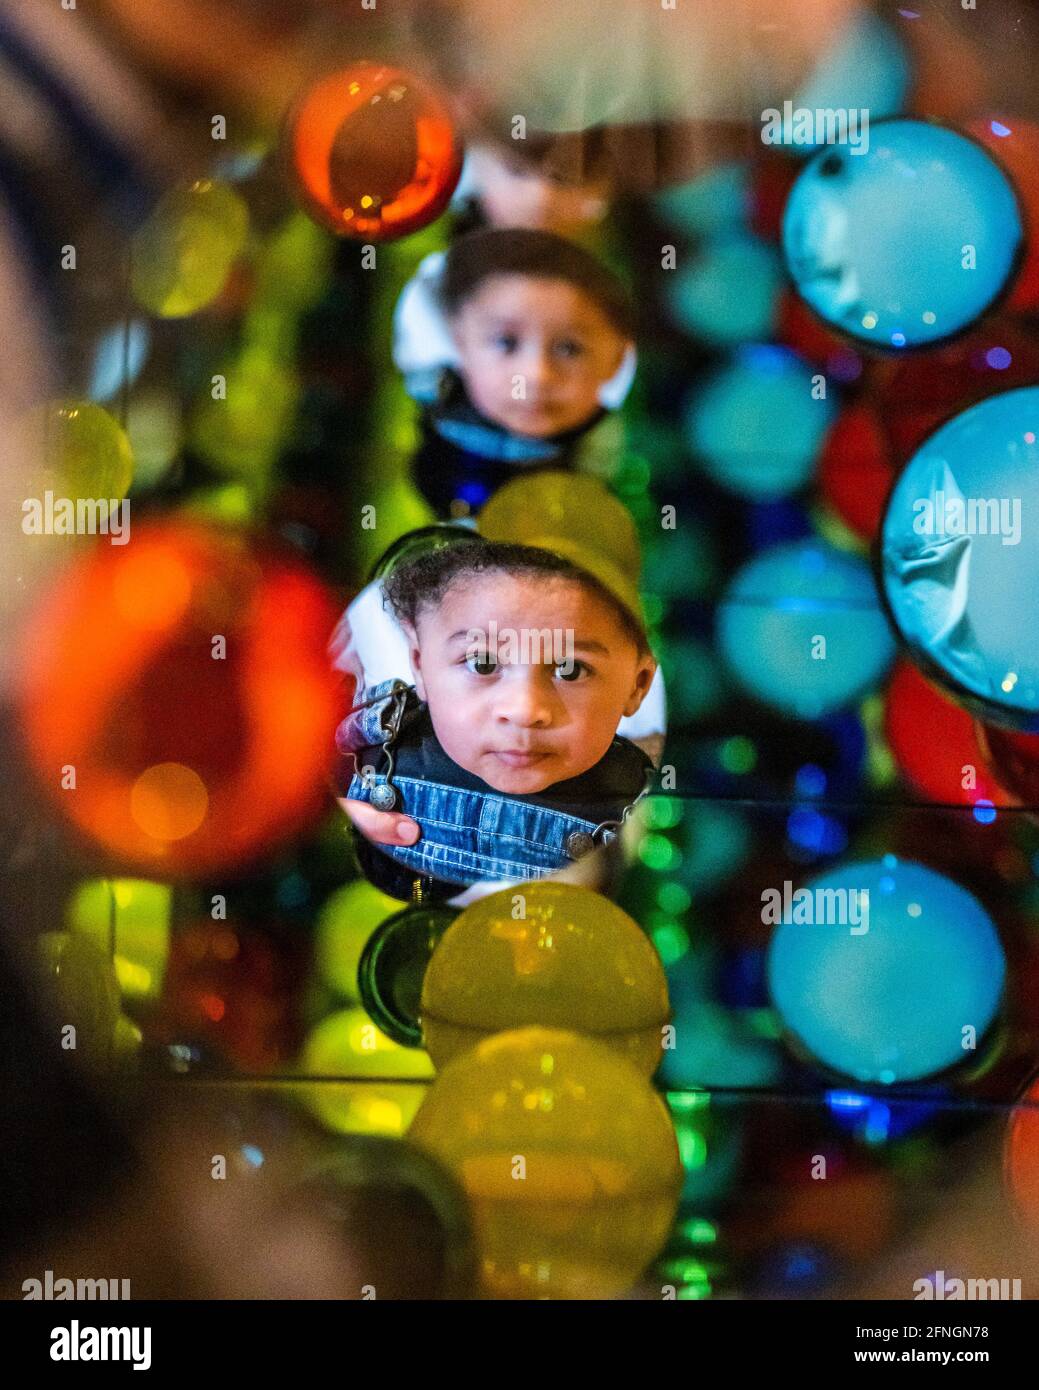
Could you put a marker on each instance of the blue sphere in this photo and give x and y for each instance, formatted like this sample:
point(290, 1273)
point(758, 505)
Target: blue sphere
point(890, 1003)
point(802, 628)
point(908, 241)
point(755, 424)
point(960, 564)
point(730, 292)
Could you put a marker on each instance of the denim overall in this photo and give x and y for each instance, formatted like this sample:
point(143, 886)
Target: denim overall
point(470, 832)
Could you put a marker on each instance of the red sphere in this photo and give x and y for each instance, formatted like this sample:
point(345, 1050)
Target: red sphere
point(855, 470)
point(374, 152)
point(176, 700)
point(1021, 1156)
point(1014, 758)
point(933, 741)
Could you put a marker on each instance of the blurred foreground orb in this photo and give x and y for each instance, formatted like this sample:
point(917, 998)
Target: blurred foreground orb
point(885, 970)
point(181, 257)
point(551, 954)
point(904, 239)
point(1021, 1155)
point(374, 152)
point(958, 563)
point(756, 425)
point(82, 450)
point(802, 629)
point(568, 1157)
point(175, 698)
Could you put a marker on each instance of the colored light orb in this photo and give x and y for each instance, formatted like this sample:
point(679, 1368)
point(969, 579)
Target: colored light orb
point(754, 425)
point(374, 152)
point(730, 293)
point(905, 243)
point(82, 451)
point(801, 627)
point(181, 257)
point(1021, 1155)
point(856, 471)
point(865, 1003)
point(346, 921)
point(362, 1081)
point(865, 67)
point(934, 742)
point(130, 917)
point(1013, 758)
point(716, 201)
point(241, 431)
point(955, 570)
point(551, 954)
point(175, 697)
point(601, 1173)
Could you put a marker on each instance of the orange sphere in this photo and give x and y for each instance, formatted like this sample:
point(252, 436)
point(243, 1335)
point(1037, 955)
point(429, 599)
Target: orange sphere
point(374, 152)
point(175, 697)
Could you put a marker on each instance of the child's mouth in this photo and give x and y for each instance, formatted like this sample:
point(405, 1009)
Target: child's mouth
point(515, 757)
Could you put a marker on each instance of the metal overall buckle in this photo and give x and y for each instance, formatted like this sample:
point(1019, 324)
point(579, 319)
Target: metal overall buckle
point(581, 842)
point(384, 795)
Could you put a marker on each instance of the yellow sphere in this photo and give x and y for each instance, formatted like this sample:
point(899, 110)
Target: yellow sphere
point(183, 254)
point(345, 923)
point(572, 960)
point(84, 451)
point(347, 1044)
point(132, 914)
point(568, 1157)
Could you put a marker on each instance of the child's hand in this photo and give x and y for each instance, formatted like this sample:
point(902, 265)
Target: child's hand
point(381, 827)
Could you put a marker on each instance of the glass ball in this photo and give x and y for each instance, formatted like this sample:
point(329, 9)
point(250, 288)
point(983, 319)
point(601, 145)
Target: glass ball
point(889, 1003)
point(568, 1157)
point(393, 966)
point(175, 697)
point(181, 257)
point(551, 954)
point(82, 450)
point(754, 425)
point(904, 240)
point(957, 563)
point(933, 739)
point(374, 152)
point(802, 628)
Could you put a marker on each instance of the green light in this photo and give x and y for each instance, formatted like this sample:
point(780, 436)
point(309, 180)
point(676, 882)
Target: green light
point(692, 1147)
point(738, 754)
point(658, 853)
point(674, 898)
point(698, 1231)
point(662, 812)
point(671, 942)
point(685, 1102)
point(653, 607)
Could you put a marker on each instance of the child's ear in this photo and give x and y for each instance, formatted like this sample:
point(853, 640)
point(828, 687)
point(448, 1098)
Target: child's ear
point(415, 657)
point(647, 669)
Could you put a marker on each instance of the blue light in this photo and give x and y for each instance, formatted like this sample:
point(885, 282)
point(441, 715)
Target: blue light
point(818, 834)
point(998, 358)
point(984, 812)
point(252, 1155)
point(998, 128)
point(867, 1003)
point(810, 780)
point(801, 627)
point(911, 238)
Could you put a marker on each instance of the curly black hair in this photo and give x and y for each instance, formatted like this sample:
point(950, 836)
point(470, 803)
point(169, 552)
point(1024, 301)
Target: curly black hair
point(424, 581)
point(523, 251)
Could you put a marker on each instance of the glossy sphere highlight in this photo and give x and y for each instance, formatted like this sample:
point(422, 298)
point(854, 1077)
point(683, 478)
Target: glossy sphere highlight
point(83, 450)
point(957, 560)
point(600, 1166)
point(374, 152)
point(183, 254)
point(182, 681)
point(888, 1004)
point(802, 629)
point(907, 242)
point(573, 960)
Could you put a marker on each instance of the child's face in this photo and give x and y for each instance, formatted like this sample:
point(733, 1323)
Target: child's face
point(520, 722)
point(544, 341)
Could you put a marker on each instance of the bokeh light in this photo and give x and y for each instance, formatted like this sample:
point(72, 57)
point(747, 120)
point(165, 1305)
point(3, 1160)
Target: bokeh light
point(182, 256)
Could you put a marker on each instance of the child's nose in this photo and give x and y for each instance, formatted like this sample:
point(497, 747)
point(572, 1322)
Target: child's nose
point(522, 699)
point(539, 367)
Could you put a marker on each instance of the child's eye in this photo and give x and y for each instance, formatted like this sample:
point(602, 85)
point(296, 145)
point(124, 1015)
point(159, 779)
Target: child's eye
point(481, 664)
point(569, 347)
point(505, 342)
point(571, 670)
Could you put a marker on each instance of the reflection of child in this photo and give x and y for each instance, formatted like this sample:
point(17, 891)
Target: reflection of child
point(518, 342)
point(511, 767)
